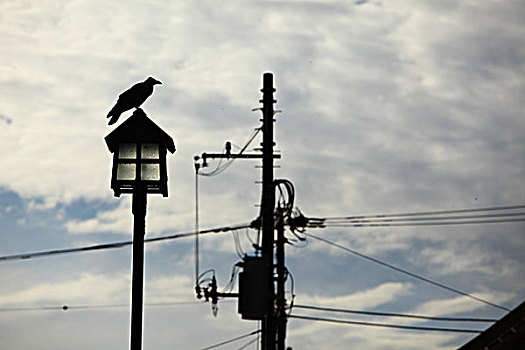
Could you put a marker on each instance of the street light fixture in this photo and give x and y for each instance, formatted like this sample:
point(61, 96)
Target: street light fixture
point(139, 148)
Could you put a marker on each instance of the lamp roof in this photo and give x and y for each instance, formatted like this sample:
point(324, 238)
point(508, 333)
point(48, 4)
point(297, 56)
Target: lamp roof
point(139, 129)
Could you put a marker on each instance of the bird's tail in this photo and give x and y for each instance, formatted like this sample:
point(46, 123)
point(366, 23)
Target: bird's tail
point(114, 115)
point(113, 119)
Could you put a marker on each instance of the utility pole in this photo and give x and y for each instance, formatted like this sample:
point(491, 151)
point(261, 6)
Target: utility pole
point(267, 211)
point(268, 314)
point(281, 279)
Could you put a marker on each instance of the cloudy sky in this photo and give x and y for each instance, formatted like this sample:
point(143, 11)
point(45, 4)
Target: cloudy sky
point(387, 107)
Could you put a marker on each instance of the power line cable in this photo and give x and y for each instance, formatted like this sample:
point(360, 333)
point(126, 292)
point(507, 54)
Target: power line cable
point(387, 325)
point(232, 340)
point(390, 314)
point(196, 227)
point(248, 344)
point(102, 306)
point(416, 219)
point(255, 132)
point(411, 274)
point(259, 324)
point(36, 308)
point(385, 224)
point(221, 168)
point(308, 307)
point(24, 256)
point(438, 212)
point(426, 218)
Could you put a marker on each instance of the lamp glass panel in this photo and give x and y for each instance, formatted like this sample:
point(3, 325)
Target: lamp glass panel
point(150, 151)
point(150, 172)
point(127, 151)
point(126, 171)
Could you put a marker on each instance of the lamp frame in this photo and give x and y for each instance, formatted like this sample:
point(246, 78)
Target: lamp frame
point(159, 186)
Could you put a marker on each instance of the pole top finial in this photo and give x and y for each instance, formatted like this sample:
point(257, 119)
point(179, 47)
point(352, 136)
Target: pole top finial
point(268, 82)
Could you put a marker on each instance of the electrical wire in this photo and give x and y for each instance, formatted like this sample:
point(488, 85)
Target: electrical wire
point(248, 344)
point(231, 283)
point(439, 212)
point(250, 239)
point(221, 168)
point(411, 274)
point(37, 308)
point(218, 170)
point(232, 340)
point(25, 256)
point(200, 277)
point(258, 334)
point(237, 243)
point(386, 325)
point(426, 218)
point(429, 218)
point(384, 224)
point(255, 132)
point(196, 251)
point(390, 314)
point(102, 306)
point(206, 272)
point(292, 290)
point(285, 202)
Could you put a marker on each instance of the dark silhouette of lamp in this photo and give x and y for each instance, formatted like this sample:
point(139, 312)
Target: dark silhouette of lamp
point(139, 148)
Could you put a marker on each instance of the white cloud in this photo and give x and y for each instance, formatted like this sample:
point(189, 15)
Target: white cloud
point(169, 289)
point(340, 336)
point(384, 293)
point(89, 288)
point(460, 305)
point(99, 289)
point(118, 220)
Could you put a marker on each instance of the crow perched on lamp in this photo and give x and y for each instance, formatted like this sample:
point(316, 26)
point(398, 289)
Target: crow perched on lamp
point(132, 98)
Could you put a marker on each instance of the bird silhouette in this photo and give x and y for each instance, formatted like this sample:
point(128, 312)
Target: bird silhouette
point(132, 98)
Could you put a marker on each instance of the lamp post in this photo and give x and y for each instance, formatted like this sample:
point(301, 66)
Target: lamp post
point(139, 148)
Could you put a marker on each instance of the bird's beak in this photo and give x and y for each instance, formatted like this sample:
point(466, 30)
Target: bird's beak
point(157, 82)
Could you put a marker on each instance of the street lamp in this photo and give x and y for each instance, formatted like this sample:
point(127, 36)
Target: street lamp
point(139, 148)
